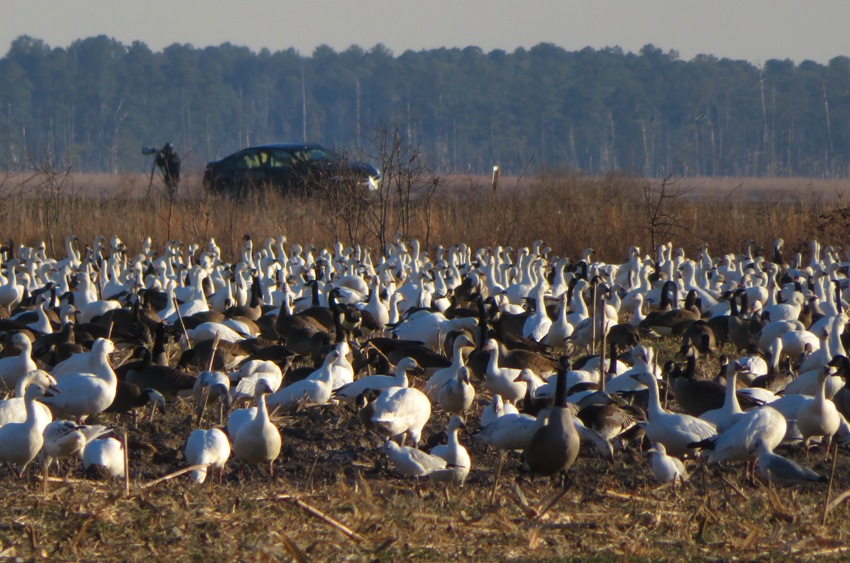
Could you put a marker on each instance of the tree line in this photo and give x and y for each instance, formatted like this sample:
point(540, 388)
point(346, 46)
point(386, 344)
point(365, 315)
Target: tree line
point(94, 104)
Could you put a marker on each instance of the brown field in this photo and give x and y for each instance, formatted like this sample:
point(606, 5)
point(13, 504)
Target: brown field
point(331, 466)
point(568, 211)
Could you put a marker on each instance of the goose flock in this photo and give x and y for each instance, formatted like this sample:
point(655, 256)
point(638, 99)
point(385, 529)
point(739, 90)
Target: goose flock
point(544, 359)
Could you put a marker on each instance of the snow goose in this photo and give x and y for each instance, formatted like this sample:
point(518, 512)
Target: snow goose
point(731, 411)
point(676, 431)
point(430, 328)
point(20, 442)
point(104, 456)
point(257, 440)
point(13, 368)
point(665, 469)
point(246, 377)
point(554, 447)
point(86, 362)
point(15, 408)
point(456, 394)
point(819, 417)
point(494, 409)
point(401, 411)
point(412, 462)
point(351, 391)
point(207, 447)
point(84, 394)
point(736, 442)
point(537, 325)
point(316, 389)
point(457, 458)
point(441, 376)
point(560, 329)
point(502, 380)
point(782, 471)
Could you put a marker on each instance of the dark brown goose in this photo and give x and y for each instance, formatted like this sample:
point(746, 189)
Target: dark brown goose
point(554, 447)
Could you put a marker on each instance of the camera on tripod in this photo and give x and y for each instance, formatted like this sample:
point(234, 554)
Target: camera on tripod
point(149, 150)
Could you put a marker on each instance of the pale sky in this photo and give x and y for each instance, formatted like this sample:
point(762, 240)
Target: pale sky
point(755, 30)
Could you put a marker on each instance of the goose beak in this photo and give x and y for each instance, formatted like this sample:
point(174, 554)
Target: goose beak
point(52, 390)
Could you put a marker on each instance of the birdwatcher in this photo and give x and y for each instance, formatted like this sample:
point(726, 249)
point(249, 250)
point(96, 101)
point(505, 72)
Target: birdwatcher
point(169, 163)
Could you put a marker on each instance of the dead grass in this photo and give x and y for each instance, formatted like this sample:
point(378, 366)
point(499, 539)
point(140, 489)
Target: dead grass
point(570, 212)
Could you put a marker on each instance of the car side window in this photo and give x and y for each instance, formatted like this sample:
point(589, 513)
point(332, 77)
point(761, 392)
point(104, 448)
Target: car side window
point(281, 159)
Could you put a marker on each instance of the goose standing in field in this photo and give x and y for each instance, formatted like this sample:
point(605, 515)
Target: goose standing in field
point(86, 362)
point(13, 368)
point(500, 379)
point(207, 447)
point(457, 458)
point(20, 442)
point(15, 408)
point(554, 447)
point(350, 392)
point(666, 469)
point(736, 442)
point(819, 417)
point(62, 439)
point(674, 430)
point(731, 411)
point(456, 395)
point(440, 376)
point(84, 394)
point(257, 441)
point(401, 411)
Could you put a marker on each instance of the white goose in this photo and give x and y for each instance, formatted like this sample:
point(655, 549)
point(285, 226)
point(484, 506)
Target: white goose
point(20, 442)
point(731, 411)
point(257, 440)
point(430, 328)
point(456, 456)
point(666, 469)
point(502, 380)
point(350, 392)
point(676, 431)
point(401, 411)
point(249, 373)
point(456, 395)
point(412, 462)
point(13, 368)
point(440, 376)
point(86, 362)
point(818, 417)
point(494, 409)
point(316, 389)
point(15, 409)
point(85, 394)
point(207, 447)
point(104, 456)
point(736, 443)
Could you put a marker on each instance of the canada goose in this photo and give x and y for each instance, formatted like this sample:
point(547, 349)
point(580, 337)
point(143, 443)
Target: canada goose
point(555, 446)
point(167, 380)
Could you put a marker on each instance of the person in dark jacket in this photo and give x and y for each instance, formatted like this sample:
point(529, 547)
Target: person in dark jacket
point(169, 163)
